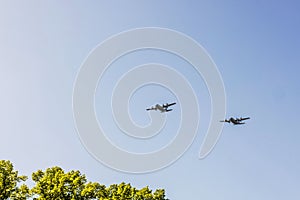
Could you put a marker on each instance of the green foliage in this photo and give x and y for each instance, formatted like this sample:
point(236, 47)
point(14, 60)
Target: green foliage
point(125, 191)
point(9, 180)
point(94, 191)
point(56, 184)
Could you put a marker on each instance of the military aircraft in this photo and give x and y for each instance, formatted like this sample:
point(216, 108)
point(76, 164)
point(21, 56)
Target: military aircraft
point(236, 121)
point(162, 108)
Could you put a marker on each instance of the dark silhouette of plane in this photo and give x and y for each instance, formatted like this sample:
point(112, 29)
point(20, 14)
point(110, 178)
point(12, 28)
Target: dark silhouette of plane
point(162, 108)
point(236, 121)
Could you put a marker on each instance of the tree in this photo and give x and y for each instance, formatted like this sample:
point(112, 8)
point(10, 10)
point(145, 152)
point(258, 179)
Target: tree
point(94, 191)
point(9, 180)
point(56, 184)
point(125, 191)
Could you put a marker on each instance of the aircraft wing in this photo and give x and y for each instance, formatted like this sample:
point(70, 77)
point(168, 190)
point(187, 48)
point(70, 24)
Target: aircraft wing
point(168, 104)
point(241, 119)
point(239, 123)
point(225, 121)
point(152, 108)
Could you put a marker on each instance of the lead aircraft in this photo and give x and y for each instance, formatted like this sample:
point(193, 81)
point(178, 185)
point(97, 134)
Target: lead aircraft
point(162, 108)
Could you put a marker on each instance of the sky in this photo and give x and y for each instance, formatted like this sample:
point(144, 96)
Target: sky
point(255, 46)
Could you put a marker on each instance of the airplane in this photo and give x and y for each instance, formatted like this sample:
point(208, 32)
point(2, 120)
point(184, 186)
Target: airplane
point(162, 108)
point(236, 121)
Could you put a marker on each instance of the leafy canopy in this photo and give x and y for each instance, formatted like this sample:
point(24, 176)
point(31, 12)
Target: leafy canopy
point(54, 183)
point(9, 180)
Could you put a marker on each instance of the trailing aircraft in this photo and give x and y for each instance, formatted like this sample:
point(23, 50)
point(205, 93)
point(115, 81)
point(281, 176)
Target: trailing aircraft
point(236, 121)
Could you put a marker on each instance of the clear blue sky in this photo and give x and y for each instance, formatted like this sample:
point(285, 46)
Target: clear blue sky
point(255, 45)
